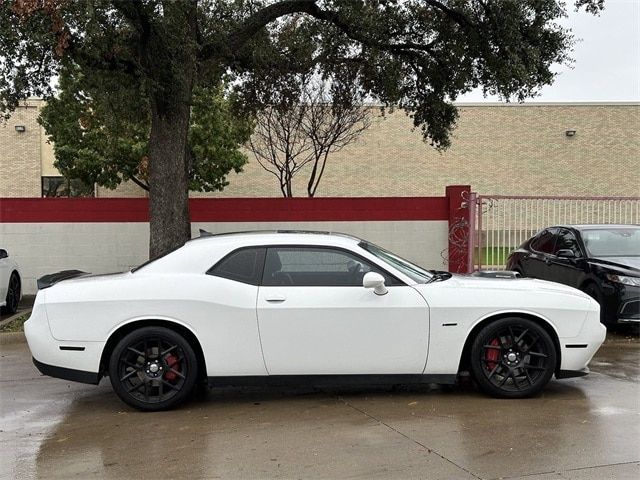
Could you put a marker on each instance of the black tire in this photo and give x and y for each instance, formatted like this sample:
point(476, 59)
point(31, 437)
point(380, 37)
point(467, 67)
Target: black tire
point(513, 358)
point(153, 368)
point(594, 292)
point(13, 295)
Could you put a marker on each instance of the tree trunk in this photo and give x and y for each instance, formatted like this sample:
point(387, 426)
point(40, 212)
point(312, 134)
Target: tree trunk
point(173, 75)
point(168, 181)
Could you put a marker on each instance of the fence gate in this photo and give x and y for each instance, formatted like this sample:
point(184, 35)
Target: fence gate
point(501, 223)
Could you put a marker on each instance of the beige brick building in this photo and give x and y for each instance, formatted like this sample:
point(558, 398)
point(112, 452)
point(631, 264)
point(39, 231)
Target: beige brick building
point(511, 149)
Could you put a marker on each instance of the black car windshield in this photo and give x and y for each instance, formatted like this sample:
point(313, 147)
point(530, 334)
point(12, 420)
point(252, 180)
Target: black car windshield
point(416, 273)
point(612, 242)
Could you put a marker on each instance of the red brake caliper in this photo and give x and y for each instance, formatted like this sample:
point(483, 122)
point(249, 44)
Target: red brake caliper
point(172, 362)
point(491, 355)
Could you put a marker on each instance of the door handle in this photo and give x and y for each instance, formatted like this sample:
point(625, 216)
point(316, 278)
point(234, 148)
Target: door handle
point(275, 298)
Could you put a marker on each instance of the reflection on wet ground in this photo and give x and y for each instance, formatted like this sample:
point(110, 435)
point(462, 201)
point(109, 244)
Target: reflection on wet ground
point(578, 428)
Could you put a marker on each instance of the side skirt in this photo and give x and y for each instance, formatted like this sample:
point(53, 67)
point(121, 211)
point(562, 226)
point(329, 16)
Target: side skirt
point(330, 380)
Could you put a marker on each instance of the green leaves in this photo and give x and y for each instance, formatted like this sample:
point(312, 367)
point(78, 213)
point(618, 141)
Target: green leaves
point(101, 131)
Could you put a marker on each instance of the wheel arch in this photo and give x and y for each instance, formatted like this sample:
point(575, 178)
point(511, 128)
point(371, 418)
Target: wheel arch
point(127, 328)
point(466, 350)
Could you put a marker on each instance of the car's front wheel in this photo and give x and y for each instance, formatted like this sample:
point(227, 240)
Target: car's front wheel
point(153, 368)
point(512, 358)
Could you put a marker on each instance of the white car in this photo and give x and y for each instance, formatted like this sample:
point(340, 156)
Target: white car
point(10, 283)
point(304, 307)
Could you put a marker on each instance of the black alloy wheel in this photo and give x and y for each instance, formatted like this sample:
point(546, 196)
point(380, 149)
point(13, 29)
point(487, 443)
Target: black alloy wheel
point(513, 358)
point(153, 368)
point(13, 294)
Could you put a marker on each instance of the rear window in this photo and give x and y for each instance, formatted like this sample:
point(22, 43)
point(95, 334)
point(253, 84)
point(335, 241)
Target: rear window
point(244, 265)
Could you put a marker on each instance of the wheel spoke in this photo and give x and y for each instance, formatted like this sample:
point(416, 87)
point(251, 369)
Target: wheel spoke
point(534, 367)
point(168, 350)
point(128, 375)
point(504, 379)
point(492, 347)
point(521, 336)
point(528, 377)
point(137, 352)
point(173, 370)
point(170, 385)
point(537, 354)
point(493, 371)
point(530, 346)
point(136, 387)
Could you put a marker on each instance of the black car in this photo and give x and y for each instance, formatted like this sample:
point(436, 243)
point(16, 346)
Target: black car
point(601, 260)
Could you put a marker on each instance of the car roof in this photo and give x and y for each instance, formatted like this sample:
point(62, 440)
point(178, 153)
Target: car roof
point(275, 237)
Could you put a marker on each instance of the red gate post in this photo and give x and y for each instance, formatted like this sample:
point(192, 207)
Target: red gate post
point(459, 227)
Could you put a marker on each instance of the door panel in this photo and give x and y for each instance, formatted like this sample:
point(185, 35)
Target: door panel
point(566, 270)
point(317, 330)
point(536, 264)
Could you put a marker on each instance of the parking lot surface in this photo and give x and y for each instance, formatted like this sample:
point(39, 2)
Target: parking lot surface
point(583, 428)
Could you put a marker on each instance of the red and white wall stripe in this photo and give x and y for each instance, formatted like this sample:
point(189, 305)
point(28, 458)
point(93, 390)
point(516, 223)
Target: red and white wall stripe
point(112, 234)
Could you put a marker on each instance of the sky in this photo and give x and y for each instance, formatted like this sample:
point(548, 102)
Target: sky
point(607, 58)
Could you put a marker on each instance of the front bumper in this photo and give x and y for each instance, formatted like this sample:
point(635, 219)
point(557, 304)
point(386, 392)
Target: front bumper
point(621, 303)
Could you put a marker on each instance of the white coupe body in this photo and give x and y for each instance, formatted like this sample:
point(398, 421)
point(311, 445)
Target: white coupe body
point(304, 313)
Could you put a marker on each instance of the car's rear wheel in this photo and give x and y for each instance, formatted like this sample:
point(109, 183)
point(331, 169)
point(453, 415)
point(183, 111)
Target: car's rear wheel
point(512, 358)
point(13, 295)
point(153, 368)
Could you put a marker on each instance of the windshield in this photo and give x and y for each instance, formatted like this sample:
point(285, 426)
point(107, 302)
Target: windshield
point(416, 273)
point(612, 242)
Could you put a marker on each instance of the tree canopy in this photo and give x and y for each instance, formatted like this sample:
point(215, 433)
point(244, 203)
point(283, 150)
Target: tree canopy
point(419, 55)
point(101, 134)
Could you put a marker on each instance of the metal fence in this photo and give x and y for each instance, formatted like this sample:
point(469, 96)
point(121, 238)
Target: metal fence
point(501, 223)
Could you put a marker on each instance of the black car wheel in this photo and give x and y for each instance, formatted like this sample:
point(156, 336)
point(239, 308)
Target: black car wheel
point(513, 358)
point(153, 368)
point(13, 294)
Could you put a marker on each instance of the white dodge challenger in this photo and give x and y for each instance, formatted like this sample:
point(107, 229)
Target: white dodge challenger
point(304, 307)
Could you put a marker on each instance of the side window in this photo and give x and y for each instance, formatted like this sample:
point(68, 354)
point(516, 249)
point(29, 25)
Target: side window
point(545, 241)
point(317, 266)
point(567, 241)
point(243, 265)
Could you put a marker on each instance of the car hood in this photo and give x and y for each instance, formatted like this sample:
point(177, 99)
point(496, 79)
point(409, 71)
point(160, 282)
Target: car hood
point(627, 263)
point(514, 284)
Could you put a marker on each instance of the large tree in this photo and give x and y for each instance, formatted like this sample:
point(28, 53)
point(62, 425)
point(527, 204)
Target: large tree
point(417, 54)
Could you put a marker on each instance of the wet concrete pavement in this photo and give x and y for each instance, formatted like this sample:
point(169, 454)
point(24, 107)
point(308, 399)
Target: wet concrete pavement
point(583, 428)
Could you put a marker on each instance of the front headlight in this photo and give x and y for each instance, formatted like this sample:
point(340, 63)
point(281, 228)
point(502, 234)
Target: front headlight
point(631, 281)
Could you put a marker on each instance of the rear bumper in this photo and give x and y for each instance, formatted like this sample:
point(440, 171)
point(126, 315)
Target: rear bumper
point(67, 373)
point(70, 360)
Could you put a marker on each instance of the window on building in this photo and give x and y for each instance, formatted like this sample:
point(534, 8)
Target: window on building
point(64, 187)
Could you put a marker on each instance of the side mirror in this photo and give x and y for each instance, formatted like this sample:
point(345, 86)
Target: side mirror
point(566, 253)
point(3, 253)
point(376, 281)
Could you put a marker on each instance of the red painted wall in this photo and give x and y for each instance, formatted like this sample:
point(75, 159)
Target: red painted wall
point(48, 210)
